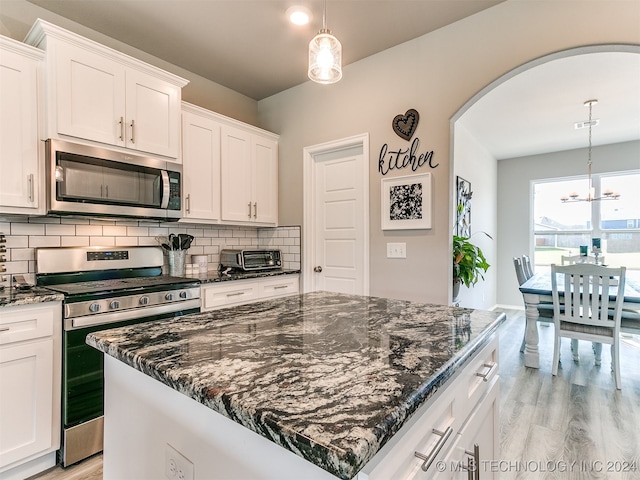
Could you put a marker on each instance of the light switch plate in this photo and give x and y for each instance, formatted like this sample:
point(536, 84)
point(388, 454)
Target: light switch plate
point(396, 250)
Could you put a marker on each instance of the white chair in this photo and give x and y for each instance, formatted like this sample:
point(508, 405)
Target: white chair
point(573, 259)
point(584, 311)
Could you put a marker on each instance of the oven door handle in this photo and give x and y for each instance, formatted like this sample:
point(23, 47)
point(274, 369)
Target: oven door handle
point(107, 318)
point(166, 190)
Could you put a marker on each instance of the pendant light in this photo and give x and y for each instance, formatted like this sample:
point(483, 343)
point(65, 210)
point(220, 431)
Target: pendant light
point(590, 197)
point(325, 55)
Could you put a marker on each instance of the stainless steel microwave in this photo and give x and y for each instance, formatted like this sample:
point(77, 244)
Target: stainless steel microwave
point(86, 180)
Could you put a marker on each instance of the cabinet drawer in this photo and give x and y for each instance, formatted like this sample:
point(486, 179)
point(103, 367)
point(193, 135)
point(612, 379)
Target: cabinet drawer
point(280, 287)
point(233, 293)
point(27, 322)
point(477, 377)
point(430, 433)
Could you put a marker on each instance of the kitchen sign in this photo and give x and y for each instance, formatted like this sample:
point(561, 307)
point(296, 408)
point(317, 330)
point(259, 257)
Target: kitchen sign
point(404, 126)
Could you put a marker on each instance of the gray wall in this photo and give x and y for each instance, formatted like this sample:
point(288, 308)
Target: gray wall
point(436, 74)
point(515, 214)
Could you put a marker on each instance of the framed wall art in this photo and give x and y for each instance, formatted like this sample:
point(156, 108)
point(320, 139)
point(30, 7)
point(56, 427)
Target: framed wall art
point(406, 202)
point(463, 207)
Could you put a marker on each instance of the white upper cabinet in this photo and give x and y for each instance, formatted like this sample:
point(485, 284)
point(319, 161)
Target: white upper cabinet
point(264, 152)
point(230, 170)
point(201, 165)
point(101, 95)
point(249, 173)
point(22, 178)
point(237, 201)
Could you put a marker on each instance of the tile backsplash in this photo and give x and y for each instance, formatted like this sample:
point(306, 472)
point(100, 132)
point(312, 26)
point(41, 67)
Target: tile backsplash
point(25, 234)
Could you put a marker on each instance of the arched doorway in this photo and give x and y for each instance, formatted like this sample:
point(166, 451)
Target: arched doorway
point(509, 117)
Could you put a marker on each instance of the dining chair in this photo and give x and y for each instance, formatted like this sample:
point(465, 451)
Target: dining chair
point(573, 259)
point(588, 308)
point(526, 265)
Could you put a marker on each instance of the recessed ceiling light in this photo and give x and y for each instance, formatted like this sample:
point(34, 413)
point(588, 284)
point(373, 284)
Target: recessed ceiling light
point(299, 15)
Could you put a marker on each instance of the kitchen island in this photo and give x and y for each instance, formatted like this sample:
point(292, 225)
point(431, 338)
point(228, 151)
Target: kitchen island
point(325, 380)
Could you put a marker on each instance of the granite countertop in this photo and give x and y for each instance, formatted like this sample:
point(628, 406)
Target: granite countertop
point(11, 297)
point(330, 377)
point(214, 276)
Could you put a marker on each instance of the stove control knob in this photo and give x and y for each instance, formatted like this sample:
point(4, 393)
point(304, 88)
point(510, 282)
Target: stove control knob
point(168, 296)
point(115, 304)
point(94, 307)
point(144, 300)
point(183, 294)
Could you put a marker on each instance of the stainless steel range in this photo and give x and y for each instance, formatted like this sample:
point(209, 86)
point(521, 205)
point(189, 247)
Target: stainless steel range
point(104, 287)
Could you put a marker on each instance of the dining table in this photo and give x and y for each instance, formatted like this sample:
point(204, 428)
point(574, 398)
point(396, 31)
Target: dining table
point(537, 290)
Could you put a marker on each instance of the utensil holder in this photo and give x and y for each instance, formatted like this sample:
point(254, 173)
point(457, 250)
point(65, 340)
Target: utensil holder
point(176, 262)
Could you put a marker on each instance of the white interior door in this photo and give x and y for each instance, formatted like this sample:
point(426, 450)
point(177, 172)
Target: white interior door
point(336, 231)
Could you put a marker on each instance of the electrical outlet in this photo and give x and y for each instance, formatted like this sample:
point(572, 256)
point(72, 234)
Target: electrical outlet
point(176, 465)
point(396, 250)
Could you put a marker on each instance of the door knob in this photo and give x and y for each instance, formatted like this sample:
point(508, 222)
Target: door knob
point(317, 269)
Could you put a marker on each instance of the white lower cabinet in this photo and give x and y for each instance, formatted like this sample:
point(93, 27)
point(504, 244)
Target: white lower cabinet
point(438, 441)
point(238, 292)
point(477, 448)
point(30, 357)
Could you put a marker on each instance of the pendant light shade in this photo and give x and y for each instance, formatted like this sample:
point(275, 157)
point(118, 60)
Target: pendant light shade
point(325, 55)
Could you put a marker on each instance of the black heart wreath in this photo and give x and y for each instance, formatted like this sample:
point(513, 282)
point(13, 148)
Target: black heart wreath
point(405, 125)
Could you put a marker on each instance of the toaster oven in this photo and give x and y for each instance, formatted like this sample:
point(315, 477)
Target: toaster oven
point(248, 260)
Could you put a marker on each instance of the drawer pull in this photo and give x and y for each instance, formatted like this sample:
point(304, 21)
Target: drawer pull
point(4, 329)
point(234, 294)
point(485, 376)
point(473, 464)
point(428, 459)
point(278, 287)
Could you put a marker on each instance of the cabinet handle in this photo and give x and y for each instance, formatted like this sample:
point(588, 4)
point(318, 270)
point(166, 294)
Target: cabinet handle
point(106, 191)
point(428, 459)
point(121, 123)
point(187, 201)
point(255, 209)
point(133, 126)
point(473, 464)
point(485, 376)
point(30, 186)
point(4, 329)
point(249, 204)
point(277, 287)
point(234, 294)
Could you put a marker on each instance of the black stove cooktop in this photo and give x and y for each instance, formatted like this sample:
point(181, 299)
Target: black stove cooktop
point(123, 284)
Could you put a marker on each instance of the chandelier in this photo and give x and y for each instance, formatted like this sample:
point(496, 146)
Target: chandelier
point(325, 55)
point(590, 197)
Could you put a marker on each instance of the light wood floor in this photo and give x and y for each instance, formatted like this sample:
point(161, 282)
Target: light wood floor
point(576, 421)
point(575, 426)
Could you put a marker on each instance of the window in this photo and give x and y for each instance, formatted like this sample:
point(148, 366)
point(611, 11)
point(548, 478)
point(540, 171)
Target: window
point(561, 228)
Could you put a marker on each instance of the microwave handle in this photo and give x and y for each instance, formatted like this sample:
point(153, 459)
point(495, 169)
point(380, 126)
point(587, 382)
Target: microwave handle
point(165, 189)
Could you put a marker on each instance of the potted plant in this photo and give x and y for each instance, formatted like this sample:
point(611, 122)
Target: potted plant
point(469, 264)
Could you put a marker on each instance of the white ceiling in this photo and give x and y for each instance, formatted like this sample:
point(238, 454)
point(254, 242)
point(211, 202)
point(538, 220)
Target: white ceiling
point(250, 47)
point(535, 111)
